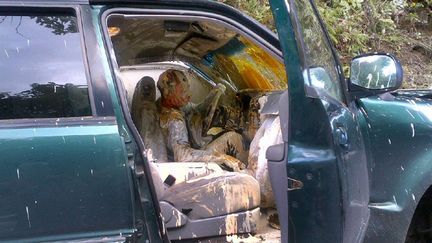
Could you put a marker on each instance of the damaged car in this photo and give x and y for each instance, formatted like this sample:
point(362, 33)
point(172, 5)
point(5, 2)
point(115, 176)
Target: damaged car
point(188, 121)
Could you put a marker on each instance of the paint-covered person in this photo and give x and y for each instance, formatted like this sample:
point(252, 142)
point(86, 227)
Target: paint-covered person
point(183, 124)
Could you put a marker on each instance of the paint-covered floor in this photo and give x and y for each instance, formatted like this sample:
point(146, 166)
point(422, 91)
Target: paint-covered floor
point(265, 234)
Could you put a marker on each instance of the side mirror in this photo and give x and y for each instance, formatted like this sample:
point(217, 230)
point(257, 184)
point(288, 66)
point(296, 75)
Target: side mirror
point(373, 74)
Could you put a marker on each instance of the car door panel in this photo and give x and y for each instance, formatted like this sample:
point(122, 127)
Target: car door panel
point(63, 164)
point(63, 179)
point(326, 151)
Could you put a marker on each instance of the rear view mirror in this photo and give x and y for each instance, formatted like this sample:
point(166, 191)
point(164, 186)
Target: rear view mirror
point(373, 74)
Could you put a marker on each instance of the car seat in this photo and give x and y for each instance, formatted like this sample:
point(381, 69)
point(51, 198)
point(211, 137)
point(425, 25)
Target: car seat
point(201, 200)
point(198, 200)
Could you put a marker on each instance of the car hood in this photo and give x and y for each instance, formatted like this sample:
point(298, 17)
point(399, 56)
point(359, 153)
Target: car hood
point(417, 93)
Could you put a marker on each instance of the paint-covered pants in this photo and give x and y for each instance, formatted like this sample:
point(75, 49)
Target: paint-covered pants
point(226, 150)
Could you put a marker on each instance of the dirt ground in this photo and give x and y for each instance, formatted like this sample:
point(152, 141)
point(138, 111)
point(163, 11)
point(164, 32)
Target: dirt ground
point(415, 58)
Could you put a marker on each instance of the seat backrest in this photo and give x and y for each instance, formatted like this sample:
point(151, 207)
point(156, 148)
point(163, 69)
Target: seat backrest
point(146, 119)
point(268, 134)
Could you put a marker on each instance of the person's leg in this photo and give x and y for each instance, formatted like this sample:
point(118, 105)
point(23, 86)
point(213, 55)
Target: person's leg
point(230, 143)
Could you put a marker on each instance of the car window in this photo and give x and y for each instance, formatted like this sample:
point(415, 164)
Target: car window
point(250, 65)
point(217, 50)
point(42, 68)
point(320, 61)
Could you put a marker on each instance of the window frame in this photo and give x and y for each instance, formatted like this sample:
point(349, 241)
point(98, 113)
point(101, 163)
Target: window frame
point(161, 13)
point(57, 121)
point(273, 48)
point(310, 90)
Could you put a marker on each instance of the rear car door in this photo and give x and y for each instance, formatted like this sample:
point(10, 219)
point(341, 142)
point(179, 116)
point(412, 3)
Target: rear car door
point(324, 151)
point(63, 163)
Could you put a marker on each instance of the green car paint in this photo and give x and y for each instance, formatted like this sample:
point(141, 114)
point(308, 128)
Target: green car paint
point(148, 228)
point(68, 182)
point(398, 129)
point(73, 176)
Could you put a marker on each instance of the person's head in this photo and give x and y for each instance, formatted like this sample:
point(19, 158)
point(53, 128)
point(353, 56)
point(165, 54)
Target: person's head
point(174, 88)
point(144, 96)
point(146, 89)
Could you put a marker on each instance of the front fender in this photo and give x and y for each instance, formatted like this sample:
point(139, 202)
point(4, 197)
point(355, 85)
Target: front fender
point(398, 131)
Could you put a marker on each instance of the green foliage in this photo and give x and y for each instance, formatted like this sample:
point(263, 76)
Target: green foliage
point(360, 26)
point(258, 9)
point(347, 25)
point(60, 25)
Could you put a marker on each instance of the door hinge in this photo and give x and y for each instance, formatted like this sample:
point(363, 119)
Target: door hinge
point(294, 184)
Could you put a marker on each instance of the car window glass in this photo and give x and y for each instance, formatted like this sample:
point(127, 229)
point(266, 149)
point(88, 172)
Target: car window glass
point(250, 65)
point(319, 57)
point(42, 68)
point(215, 49)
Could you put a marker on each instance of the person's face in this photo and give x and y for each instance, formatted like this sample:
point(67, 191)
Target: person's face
point(184, 87)
point(181, 94)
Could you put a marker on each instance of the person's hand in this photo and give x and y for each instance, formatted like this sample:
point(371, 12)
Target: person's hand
point(221, 87)
point(230, 163)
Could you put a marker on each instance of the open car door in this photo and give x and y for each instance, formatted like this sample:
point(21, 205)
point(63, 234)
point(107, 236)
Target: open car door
point(321, 166)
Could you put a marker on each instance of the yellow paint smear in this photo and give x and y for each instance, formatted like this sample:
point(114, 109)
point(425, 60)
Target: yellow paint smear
point(255, 67)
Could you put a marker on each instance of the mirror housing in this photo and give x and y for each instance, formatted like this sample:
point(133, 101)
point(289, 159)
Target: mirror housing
point(374, 73)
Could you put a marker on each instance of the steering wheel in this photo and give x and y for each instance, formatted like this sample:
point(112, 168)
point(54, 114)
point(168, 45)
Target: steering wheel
point(208, 119)
point(199, 124)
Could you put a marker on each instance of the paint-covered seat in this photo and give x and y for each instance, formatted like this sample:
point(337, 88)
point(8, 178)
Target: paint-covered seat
point(208, 202)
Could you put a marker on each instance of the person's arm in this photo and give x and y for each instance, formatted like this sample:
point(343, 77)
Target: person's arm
point(208, 106)
point(211, 100)
point(183, 152)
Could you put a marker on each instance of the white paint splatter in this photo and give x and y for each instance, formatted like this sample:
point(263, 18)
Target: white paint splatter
point(413, 197)
point(402, 168)
point(389, 141)
point(28, 217)
point(91, 171)
point(394, 199)
point(413, 130)
point(94, 139)
point(18, 174)
point(410, 113)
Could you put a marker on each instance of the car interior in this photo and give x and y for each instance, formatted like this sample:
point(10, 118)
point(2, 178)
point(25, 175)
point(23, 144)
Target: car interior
point(203, 199)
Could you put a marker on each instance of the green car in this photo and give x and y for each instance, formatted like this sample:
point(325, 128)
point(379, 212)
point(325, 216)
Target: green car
point(87, 156)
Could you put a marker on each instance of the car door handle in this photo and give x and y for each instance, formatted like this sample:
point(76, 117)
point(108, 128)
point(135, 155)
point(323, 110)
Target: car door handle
point(341, 137)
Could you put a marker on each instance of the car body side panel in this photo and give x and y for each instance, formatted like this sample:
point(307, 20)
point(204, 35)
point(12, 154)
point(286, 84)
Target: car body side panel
point(57, 181)
point(399, 129)
point(149, 222)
